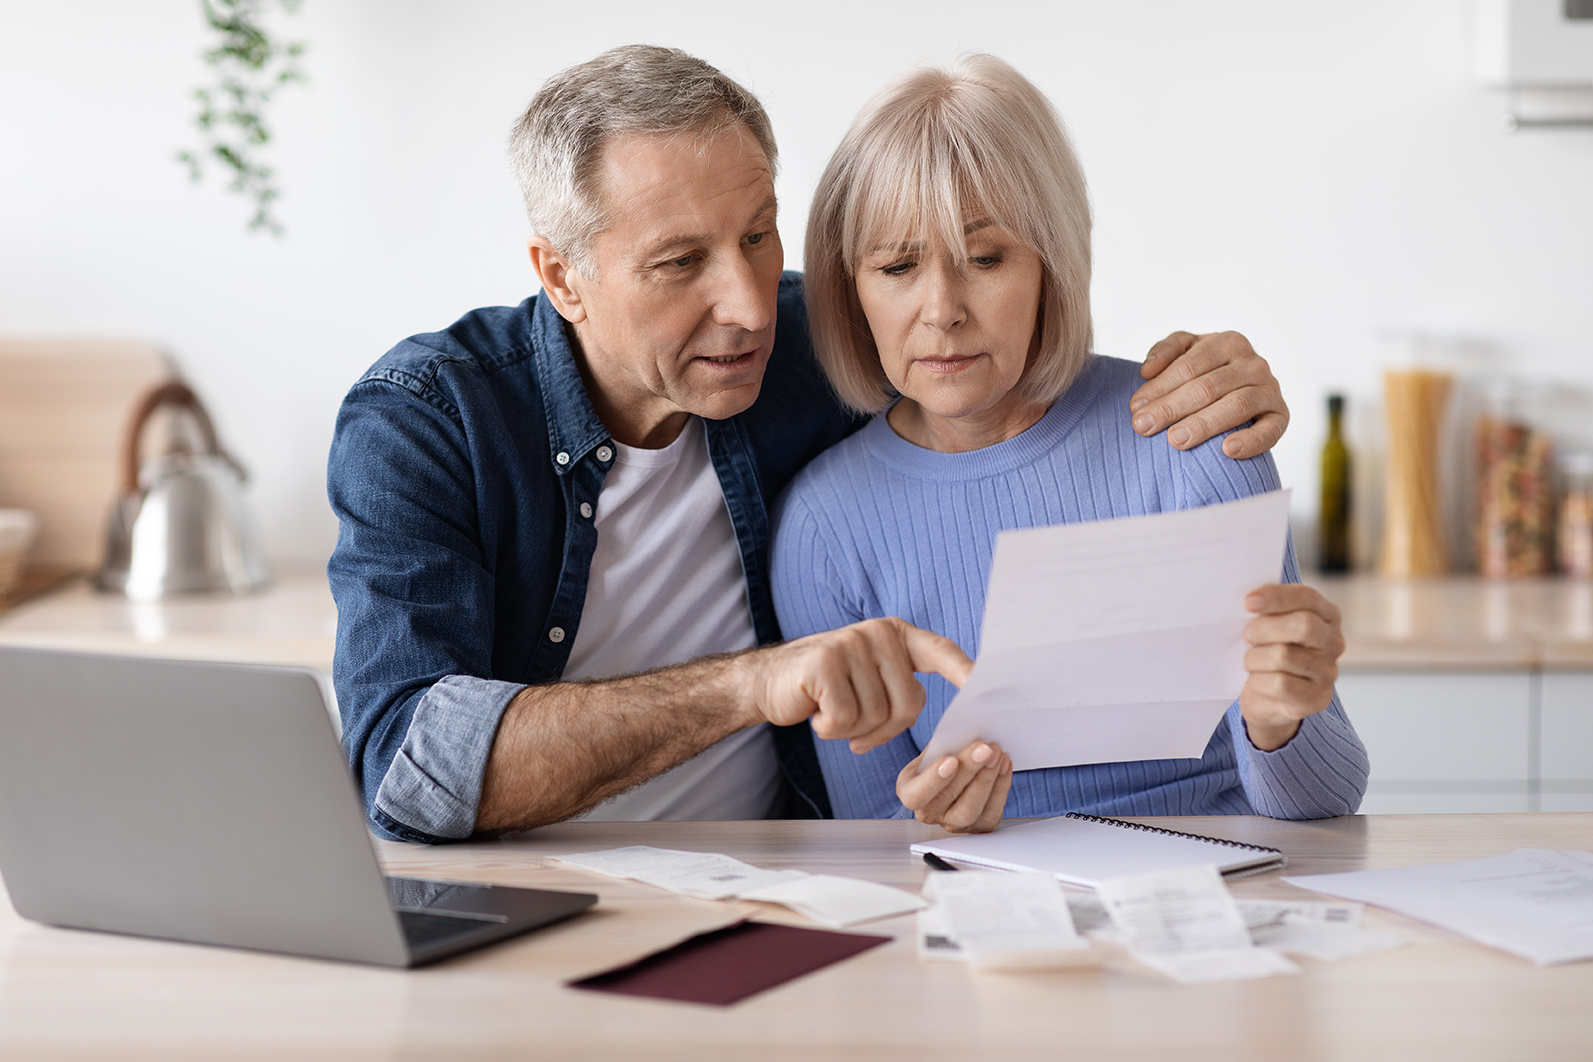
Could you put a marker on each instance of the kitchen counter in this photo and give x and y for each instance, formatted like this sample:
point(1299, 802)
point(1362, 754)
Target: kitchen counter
point(1454, 623)
point(293, 621)
point(1463, 623)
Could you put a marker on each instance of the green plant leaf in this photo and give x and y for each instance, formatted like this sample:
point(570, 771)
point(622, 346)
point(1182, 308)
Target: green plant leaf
point(249, 65)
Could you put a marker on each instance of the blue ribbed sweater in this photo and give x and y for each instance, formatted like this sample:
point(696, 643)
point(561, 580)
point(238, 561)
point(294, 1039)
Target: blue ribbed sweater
point(877, 526)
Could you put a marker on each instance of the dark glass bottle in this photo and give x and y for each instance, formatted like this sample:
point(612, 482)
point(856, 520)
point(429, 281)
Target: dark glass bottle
point(1333, 534)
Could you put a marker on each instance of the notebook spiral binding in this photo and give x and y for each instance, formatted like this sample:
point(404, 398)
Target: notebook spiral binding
point(1172, 833)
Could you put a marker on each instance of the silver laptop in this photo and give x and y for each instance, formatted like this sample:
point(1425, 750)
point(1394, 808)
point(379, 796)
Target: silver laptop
point(211, 803)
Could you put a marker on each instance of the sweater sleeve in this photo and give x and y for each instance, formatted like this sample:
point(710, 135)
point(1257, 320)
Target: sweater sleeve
point(810, 595)
point(1323, 769)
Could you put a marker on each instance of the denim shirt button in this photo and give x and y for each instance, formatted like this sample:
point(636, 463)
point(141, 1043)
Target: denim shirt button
point(604, 454)
point(562, 458)
point(586, 510)
point(556, 635)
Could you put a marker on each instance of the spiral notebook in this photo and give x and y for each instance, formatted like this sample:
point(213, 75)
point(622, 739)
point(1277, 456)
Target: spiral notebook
point(1086, 850)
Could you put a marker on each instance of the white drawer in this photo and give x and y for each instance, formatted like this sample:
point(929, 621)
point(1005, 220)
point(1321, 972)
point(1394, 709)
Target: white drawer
point(1446, 803)
point(1442, 726)
point(1567, 726)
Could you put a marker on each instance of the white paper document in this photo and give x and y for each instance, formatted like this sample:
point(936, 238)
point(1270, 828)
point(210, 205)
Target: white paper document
point(707, 875)
point(1116, 640)
point(1185, 924)
point(1533, 902)
point(835, 901)
point(1002, 922)
point(1324, 931)
point(830, 900)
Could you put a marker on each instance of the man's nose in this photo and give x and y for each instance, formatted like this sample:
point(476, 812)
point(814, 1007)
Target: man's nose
point(742, 301)
point(945, 296)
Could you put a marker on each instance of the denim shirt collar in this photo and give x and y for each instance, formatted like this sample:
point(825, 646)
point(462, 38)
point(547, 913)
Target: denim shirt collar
point(573, 427)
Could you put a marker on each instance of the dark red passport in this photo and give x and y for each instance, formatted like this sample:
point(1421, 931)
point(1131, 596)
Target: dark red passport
point(728, 965)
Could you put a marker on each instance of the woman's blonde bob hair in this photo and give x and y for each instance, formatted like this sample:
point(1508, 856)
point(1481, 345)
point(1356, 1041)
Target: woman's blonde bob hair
point(933, 150)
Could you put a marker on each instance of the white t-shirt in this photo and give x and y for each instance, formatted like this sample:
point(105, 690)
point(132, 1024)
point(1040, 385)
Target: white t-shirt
point(666, 585)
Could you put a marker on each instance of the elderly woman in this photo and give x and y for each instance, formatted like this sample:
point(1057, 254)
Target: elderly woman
point(948, 278)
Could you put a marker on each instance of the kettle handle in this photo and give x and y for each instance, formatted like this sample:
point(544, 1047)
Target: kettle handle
point(173, 393)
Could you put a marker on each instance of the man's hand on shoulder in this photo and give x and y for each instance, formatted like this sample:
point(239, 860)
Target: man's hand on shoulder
point(854, 682)
point(1201, 386)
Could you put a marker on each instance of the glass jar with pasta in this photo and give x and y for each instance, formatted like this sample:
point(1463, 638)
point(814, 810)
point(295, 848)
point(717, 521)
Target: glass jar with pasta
point(1515, 490)
point(1576, 515)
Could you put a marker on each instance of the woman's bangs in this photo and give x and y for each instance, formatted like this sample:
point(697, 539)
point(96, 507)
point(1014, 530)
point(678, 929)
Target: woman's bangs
point(927, 194)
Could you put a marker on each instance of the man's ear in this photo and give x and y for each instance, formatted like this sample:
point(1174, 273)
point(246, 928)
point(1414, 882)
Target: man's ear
point(559, 279)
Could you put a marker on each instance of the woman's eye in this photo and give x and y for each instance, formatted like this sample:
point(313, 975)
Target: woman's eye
point(896, 269)
point(986, 260)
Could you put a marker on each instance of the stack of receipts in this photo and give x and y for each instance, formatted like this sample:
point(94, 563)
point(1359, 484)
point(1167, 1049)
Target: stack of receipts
point(1183, 923)
point(1533, 902)
point(832, 901)
point(1001, 921)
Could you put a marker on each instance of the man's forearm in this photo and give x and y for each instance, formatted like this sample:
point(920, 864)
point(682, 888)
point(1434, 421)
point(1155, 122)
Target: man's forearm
point(568, 746)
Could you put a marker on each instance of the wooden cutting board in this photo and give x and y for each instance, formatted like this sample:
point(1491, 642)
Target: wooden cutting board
point(64, 411)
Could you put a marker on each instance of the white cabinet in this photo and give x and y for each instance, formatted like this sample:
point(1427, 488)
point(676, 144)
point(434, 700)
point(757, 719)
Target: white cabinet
point(1451, 741)
point(1444, 741)
point(1566, 765)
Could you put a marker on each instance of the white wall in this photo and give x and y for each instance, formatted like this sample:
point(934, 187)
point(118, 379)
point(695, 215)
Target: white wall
point(1311, 174)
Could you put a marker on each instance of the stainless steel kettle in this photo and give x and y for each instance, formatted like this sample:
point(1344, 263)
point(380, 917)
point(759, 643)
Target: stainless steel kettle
point(180, 526)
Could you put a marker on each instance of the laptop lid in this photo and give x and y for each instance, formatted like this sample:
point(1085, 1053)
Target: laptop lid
point(191, 801)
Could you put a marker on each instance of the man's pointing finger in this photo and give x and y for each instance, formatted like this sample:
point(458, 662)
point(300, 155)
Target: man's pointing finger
point(930, 652)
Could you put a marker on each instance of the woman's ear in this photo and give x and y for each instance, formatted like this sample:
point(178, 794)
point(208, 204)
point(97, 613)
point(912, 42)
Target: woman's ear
point(559, 277)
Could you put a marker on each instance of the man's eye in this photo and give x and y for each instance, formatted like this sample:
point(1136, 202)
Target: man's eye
point(756, 237)
point(682, 263)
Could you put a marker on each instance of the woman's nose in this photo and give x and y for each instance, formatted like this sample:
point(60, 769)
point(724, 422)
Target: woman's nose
point(945, 303)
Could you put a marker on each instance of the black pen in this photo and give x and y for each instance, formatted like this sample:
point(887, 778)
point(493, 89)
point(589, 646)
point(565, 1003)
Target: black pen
point(937, 863)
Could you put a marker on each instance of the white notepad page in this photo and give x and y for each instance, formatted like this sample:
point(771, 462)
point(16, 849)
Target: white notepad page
point(1083, 851)
point(1116, 640)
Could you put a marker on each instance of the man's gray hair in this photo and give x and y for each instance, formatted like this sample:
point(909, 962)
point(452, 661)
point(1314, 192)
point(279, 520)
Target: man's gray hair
point(557, 145)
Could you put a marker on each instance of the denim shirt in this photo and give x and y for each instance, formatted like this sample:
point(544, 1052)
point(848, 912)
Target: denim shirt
point(458, 469)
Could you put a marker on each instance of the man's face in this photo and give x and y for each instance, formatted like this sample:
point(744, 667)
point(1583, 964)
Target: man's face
point(680, 315)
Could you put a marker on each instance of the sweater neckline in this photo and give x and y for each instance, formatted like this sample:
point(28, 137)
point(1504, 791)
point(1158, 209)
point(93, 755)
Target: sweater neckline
point(1028, 446)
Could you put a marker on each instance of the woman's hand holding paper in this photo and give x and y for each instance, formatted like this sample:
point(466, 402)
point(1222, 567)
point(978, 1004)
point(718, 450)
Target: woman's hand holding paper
point(1295, 643)
point(964, 793)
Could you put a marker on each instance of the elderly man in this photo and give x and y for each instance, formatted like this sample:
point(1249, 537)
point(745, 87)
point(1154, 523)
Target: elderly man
point(551, 571)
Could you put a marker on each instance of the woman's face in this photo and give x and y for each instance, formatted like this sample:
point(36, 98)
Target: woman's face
point(954, 339)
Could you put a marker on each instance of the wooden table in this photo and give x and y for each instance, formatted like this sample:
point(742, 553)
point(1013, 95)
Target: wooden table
point(70, 994)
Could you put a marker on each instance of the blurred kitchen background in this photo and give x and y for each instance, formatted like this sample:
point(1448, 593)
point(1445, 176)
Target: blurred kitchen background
point(1341, 182)
point(1334, 180)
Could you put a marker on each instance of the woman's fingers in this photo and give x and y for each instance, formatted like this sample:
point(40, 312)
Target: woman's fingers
point(979, 808)
point(1305, 629)
point(916, 788)
point(1309, 664)
point(1276, 598)
point(1292, 614)
point(1295, 644)
point(957, 812)
point(955, 790)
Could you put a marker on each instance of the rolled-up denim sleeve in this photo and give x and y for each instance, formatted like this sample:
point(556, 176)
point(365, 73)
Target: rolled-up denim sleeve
point(416, 611)
point(433, 784)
